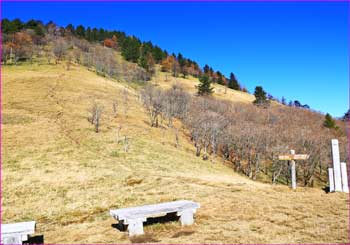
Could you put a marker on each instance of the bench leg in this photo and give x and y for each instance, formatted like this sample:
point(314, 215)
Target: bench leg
point(186, 217)
point(13, 240)
point(135, 227)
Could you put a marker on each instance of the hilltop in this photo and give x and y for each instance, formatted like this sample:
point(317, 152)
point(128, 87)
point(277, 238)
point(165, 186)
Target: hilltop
point(58, 171)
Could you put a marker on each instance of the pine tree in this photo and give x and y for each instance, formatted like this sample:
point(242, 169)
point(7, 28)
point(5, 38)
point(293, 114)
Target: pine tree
point(131, 49)
point(142, 61)
point(346, 116)
point(70, 29)
point(204, 87)
point(329, 121)
point(206, 69)
point(260, 97)
point(80, 31)
point(233, 83)
point(94, 34)
point(220, 79)
point(88, 34)
point(283, 100)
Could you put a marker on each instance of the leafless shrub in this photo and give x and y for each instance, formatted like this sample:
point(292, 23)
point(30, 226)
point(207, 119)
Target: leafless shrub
point(118, 133)
point(60, 47)
point(125, 98)
point(115, 108)
point(175, 103)
point(152, 99)
point(95, 116)
point(126, 144)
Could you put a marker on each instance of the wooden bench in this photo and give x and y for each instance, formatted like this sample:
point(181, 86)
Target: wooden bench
point(16, 233)
point(135, 216)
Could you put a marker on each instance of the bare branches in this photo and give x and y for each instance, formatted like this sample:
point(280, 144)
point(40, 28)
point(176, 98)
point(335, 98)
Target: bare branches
point(95, 116)
point(60, 47)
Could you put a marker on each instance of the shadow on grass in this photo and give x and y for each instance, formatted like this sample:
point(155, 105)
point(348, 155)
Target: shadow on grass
point(150, 221)
point(35, 240)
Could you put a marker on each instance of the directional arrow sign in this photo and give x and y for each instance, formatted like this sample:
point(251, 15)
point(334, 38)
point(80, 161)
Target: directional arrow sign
point(294, 157)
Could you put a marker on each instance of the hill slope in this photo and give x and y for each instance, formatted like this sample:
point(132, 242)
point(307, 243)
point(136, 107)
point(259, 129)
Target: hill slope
point(165, 80)
point(58, 171)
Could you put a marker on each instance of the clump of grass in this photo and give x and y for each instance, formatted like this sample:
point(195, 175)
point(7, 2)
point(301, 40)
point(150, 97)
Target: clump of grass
point(133, 181)
point(115, 153)
point(14, 119)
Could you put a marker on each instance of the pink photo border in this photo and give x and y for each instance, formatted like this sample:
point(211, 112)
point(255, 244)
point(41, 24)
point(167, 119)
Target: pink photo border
point(198, 1)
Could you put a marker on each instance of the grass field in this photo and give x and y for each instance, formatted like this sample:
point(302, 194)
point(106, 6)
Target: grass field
point(57, 171)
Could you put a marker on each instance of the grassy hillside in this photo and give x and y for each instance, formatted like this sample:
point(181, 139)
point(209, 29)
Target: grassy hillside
point(58, 171)
point(166, 80)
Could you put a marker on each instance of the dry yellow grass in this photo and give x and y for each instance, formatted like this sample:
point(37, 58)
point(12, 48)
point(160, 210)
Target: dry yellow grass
point(58, 171)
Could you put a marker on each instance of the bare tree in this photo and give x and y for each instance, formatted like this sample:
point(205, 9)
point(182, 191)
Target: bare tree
point(118, 133)
point(177, 144)
point(152, 99)
point(95, 116)
point(125, 96)
point(115, 108)
point(126, 144)
point(60, 47)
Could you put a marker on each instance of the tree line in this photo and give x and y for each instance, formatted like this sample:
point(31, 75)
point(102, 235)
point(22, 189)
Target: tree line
point(143, 53)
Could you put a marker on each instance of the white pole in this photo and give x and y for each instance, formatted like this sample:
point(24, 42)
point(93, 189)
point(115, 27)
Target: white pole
point(293, 172)
point(336, 166)
point(331, 179)
point(344, 177)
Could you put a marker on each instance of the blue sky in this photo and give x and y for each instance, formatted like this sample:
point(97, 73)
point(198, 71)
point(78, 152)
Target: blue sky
point(295, 50)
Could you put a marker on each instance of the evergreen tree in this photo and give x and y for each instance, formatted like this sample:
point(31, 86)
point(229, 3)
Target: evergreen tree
point(297, 103)
point(233, 83)
point(80, 31)
point(142, 60)
point(88, 34)
point(220, 78)
point(329, 121)
point(94, 34)
point(260, 97)
point(206, 69)
point(346, 116)
point(204, 87)
point(131, 49)
point(101, 34)
point(70, 29)
point(37, 26)
point(158, 54)
point(9, 27)
point(283, 100)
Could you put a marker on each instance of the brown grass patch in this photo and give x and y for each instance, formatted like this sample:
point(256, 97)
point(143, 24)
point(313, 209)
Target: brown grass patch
point(146, 238)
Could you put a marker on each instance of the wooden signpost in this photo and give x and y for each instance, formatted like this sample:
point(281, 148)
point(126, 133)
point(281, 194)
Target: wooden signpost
point(292, 157)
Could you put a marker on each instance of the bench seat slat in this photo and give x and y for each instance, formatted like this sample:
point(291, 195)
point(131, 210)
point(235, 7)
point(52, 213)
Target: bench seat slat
point(17, 232)
point(153, 209)
point(22, 227)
